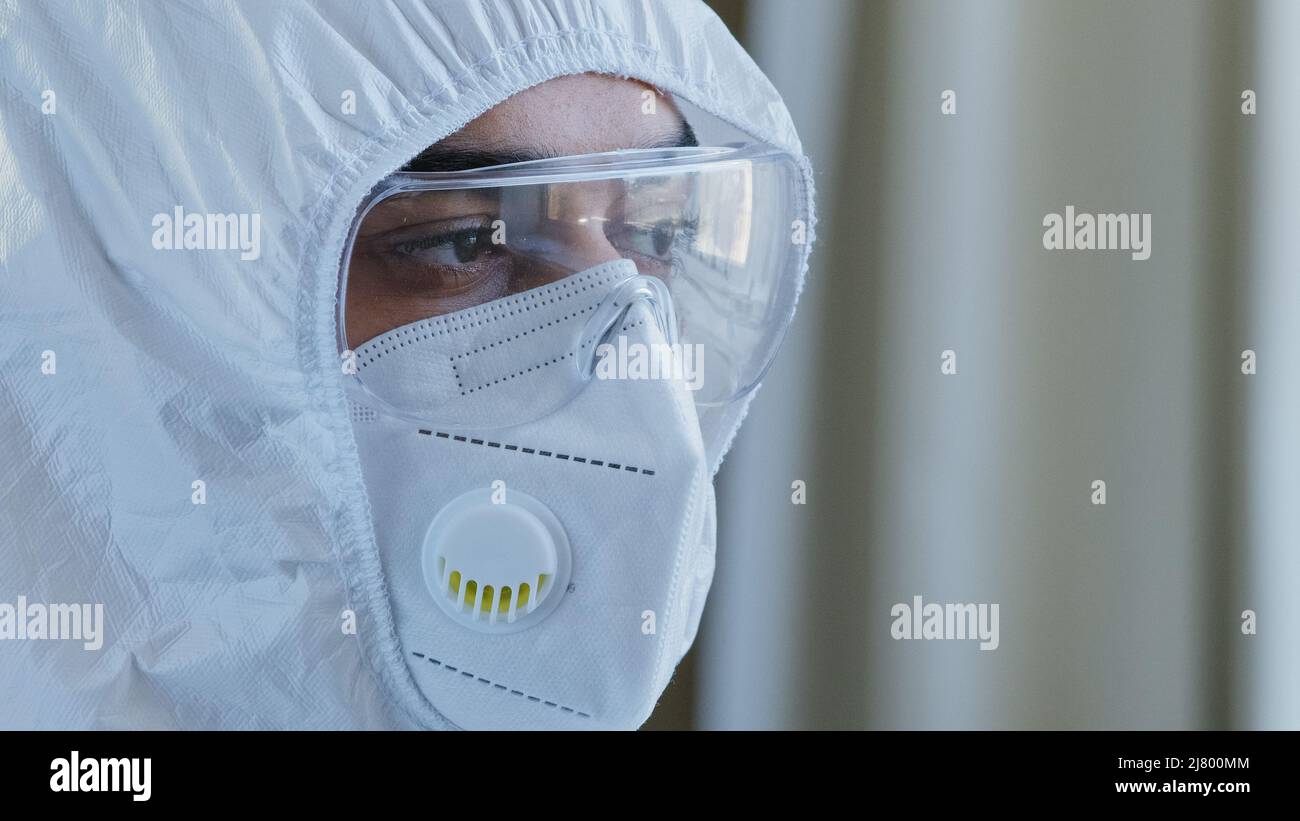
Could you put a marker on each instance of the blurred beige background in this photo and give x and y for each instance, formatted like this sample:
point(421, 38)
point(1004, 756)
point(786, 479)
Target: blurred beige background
point(1072, 367)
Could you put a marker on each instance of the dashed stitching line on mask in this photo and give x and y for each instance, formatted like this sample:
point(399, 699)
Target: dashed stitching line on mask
point(501, 687)
point(472, 317)
point(582, 460)
point(538, 366)
point(507, 377)
point(567, 316)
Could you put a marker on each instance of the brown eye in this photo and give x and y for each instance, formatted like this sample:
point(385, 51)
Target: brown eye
point(469, 244)
point(663, 235)
point(461, 246)
point(655, 241)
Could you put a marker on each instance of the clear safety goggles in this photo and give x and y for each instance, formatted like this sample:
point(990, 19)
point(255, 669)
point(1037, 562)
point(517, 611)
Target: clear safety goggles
point(712, 238)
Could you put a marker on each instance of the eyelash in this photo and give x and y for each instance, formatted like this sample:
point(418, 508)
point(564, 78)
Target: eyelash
point(442, 238)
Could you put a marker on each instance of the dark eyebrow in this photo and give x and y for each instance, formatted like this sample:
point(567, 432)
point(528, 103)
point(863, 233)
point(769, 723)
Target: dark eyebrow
point(441, 157)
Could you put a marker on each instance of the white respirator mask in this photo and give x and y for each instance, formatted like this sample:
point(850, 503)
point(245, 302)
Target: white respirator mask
point(539, 350)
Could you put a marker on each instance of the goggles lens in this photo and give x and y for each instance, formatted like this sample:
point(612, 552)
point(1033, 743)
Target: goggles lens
point(720, 228)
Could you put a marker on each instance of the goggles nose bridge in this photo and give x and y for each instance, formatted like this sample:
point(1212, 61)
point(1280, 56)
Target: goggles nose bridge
point(604, 323)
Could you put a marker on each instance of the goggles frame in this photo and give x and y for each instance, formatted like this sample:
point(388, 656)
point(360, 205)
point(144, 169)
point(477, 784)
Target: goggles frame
point(619, 164)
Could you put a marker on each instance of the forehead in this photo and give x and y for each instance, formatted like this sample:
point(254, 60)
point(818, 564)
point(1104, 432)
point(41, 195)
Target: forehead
point(580, 114)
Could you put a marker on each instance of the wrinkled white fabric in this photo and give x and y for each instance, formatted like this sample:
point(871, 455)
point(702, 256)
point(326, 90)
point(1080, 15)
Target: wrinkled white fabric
point(177, 367)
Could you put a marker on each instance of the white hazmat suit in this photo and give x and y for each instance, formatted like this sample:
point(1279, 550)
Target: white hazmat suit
point(176, 441)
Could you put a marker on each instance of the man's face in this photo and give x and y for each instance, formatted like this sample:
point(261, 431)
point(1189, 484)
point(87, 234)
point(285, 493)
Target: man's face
point(425, 256)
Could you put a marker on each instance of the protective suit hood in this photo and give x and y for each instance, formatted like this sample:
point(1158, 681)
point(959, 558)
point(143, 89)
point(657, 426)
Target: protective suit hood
point(178, 446)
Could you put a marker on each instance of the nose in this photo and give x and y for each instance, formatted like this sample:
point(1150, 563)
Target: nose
point(585, 243)
point(570, 228)
point(569, 246)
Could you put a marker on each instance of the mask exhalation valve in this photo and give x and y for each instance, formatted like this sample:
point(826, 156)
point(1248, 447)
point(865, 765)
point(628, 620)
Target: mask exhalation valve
point(496, 560)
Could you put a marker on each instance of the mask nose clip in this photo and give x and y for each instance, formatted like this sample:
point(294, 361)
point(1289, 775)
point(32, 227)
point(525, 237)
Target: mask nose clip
point(605, 322)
